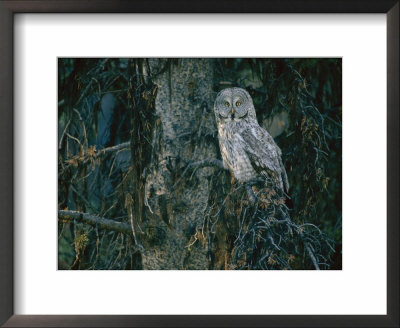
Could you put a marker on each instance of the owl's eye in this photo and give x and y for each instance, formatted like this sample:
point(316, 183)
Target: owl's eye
point(238, 103)
point(226, 104)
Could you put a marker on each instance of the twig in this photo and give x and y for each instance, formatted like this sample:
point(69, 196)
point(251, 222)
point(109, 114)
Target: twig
point(200, 164)
point(102, 152)
point(82, 197)
point(94, 221)
point(311, 254)
point(83, 126)
point(62, 136)
point(107, 150)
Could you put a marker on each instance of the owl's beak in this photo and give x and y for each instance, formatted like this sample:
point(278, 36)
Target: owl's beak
point(232, 113)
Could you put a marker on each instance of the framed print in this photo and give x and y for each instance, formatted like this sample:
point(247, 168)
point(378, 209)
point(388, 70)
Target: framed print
point(183, 165)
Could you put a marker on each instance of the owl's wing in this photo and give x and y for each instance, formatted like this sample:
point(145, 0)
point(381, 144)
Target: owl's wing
point(264, 153)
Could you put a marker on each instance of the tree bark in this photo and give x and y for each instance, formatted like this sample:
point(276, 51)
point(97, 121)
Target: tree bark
point(174, 211)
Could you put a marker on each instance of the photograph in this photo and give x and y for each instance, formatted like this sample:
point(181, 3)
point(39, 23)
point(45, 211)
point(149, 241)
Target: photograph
point(199, 163)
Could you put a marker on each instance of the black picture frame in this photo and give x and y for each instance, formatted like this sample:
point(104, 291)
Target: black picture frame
point(7, 11)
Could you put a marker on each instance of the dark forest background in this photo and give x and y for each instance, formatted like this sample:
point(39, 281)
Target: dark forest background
point(140, 183)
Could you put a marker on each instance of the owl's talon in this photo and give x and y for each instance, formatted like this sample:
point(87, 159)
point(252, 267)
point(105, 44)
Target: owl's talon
point(251, 195)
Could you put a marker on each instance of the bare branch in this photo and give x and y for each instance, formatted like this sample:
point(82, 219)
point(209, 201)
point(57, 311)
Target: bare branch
point(62, 136)
point(200, 164)
point(94, 221)
point(102, 152)
point(311, 254)
point(108, 150)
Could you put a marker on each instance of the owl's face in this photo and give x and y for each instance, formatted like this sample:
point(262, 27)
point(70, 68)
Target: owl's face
point(233, 105)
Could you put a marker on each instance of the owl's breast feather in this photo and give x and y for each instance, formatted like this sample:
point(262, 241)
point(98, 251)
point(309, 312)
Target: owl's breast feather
point(233, 154)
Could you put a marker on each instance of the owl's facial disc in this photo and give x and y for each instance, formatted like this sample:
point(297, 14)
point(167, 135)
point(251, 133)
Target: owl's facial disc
point(233, 105)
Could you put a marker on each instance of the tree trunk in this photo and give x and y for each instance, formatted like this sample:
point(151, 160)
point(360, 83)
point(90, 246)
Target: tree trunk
point(174, 213)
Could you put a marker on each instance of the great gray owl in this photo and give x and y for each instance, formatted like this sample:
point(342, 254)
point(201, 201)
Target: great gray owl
point(247, 150)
